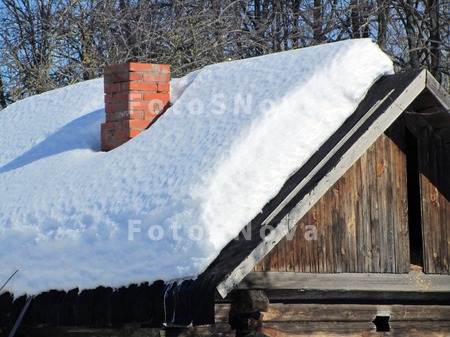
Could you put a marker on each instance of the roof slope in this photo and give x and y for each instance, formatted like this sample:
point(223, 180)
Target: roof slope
point(236, 132)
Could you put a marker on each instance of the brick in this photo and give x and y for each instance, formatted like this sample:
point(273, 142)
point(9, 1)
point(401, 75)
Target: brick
point(162, 97)
point(122, 134)
point(164, 68)
point(107, 80)
point(163, 87)
point(156, 77)
point(113, 89)
point(126, 77)
point(106, 135)
point(135, 96)
point(110, 118)
point(118, 106)
point(133, 76)
point(116, 68)
point(138, 86)
point(136, 115)
point(121, 115)
point(119, 97)
point(108, 98)
point(134, 132)
point(135, 66)
point(150, 115)
point(110, 108)
point(121, 77)
point(140, 124)
point(138, 105)
point(108, 70)
point(108, 126)
point(106, 146)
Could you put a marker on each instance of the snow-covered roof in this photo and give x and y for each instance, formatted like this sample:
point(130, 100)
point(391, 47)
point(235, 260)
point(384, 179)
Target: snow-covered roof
point(164, 204)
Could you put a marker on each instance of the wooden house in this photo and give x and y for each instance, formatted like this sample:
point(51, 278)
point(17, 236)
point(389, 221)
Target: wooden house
point(356, 242)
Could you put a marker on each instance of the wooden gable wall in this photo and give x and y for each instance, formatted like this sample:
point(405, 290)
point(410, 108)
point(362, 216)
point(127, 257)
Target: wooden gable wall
point(361, 221)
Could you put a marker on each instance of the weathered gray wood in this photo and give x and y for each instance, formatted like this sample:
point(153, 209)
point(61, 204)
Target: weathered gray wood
point(320, 329)
point(419, 329)
point(374, 206)
point(382, 183)
point(365, 243)
point(355, 329)
point(328, 232)
point(438, 91)
point(307, 312)
point(412, 282)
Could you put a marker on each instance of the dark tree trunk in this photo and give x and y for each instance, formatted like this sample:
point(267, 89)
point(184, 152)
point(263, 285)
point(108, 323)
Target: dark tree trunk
point(435, 38)
point(2, 95)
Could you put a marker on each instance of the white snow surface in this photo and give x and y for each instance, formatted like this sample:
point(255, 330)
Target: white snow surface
point(72, 216)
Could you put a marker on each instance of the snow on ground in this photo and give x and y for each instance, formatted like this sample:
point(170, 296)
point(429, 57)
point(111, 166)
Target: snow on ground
point(163, 205)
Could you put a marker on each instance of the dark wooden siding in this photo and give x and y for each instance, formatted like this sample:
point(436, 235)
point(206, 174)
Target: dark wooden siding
point(434, 167)
point(361, 222)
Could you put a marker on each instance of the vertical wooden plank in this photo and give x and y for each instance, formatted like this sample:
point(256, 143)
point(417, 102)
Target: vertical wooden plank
point(306, 245)
point(313, 244)
point(381, 183)
point(359, 223)
point(328, 231)
point(273, 259)
point(347, 220)
point(441, 202)
point(445, 198)
point(365, 243)
point(319, 242)
point(391, 203)
point(423, 150)
point(434, 163)
point(300, 252)
point(432, 200)
point(352, 182)
point(373, 206)
point(321, 234)
point(281, 247)
point(400, 197)
point(337, 228)
point(290, 249)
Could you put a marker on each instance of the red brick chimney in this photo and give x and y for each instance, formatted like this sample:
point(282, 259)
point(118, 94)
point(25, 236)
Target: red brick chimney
point(136, 94)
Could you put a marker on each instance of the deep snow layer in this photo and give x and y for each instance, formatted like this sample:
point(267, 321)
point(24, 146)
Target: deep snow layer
point(164, 204)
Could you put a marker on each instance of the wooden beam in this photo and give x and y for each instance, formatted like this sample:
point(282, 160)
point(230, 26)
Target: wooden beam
point(351, 287)
point(438, 91)
point(355, 329)
point(305, 312)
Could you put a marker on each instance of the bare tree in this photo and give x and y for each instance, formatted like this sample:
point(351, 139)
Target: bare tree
point(50, 43)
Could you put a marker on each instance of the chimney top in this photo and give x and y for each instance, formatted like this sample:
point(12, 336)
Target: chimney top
point(136, 94)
